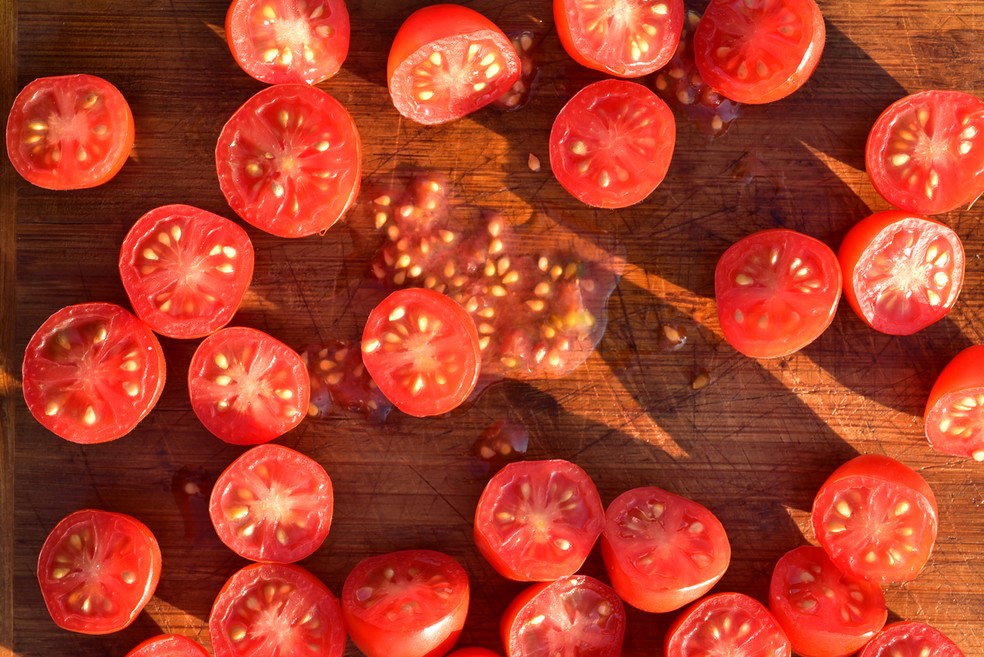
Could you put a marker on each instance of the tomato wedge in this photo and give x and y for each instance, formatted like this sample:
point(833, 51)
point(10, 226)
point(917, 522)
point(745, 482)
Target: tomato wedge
point(69, 132)
point(185, 270)
point(289, 160)
point(911, 639)
point(954, 416)
point(281, 41)
point(92, 372)
point(247, 387)
point(731, 624)
point(168, 645)
point(97, 571)
point(611, 144)
point(925, 153)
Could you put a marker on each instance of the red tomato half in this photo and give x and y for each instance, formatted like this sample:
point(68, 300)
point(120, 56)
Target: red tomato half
point(186, 270)
point(955, 411)
point(662, 550)
point(281, 41)
point(421, 348)
point(410, 603)
point(97, 571)
point(538, 520)
point(911, 639)
point(168, 645)
point(925, 153)
point(247, 387)
point(758, 51)
point(289, 160)
point(448, 61)
point(877, 519)
point(576, 616)
point(92, 372)
point(729, 624)
point(69, 132)
point(901, 272)
point(272, 504)
point(824, 612)
point(627, 39)
point(611, 144)
point(776, 291)
point(272, 610)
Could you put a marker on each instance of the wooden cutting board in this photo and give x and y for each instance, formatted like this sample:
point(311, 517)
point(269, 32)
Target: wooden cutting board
point(753, 445)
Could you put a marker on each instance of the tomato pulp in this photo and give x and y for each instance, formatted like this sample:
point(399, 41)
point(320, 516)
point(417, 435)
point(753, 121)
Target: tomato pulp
point(730, 624)
point(954, 417)
point(168, 645)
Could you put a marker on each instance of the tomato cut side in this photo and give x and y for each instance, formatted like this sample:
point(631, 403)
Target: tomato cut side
point(911, 639)
point(92, 372)
point(97, 571)
point(289, 161)
point(410, 603)
point(271, 610)
point(69, 132)
point(611, 144)
point(776, 291)
point(624, 38)
point(731, 624)
point(925, 153)
point(247, 387)
point(902, 272)
point(168, 645)
point(281, 42)
point(185, 270)
point(954, 416)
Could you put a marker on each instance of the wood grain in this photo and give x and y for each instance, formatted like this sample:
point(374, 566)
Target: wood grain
point(753, 446)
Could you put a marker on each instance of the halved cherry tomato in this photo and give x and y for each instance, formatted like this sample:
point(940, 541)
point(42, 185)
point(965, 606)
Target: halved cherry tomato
point(289, 160)
point(624, 38)
point(611, 144)
point(168, 645)
point(410, 603)
point(777, 291)
point(877, 519)
point(421, 349)
point(185, 270)
point(92, 372)
point(925, 153)
point(448, 61)
point(97, 571)
point(824, 612)
point(758, 51)
point(730, 624)
point(902, 272)
point(69, 132)
point(954, 416)
point(272, 504)
point(270, 610)
point(247, 387)
point(576, 615)
point(662, 550)
point(280, 41)
point(911, 639)
point(538, 520)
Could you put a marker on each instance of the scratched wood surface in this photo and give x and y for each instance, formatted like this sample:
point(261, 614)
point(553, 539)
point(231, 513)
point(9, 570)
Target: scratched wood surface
point(753, 445)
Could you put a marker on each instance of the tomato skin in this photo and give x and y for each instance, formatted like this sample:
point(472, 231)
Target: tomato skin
point(80, 578)
point(168, 645)
point(953, 407)
point(726, 623)
point(44, 121)
point(910, 639)
point(860, 502)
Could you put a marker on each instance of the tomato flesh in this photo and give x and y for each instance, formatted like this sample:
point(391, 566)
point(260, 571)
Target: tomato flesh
point(730, 624)
point(911, 639)
point(954, 417)
point(168, 645)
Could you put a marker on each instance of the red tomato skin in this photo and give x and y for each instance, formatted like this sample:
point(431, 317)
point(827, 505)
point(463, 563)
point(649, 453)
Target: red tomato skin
point(962, 377)
point(692, 623)
point(168, 645)
point(910, 639)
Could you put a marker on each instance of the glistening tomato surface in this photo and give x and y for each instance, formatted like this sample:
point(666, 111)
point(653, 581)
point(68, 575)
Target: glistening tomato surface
point(954, 416)
point(538, 520)
point(168, 645)
point(272, 504)
point(69, 132)
point(731, 624)
point(776, 292)
point(97, 570)
point(272, 610)
point(281, 41)
point(185, 270)
point(911, 639)
point(611, 144)
point(925, 153)
point(448, 61)
point(247, 387)
point(902, 272)
point(289, 160)
point(421, 348)
point(92, 372)
point(473, 652)
point(410, 603)
point(877, 519)
point(627, 39)
point(758, 51)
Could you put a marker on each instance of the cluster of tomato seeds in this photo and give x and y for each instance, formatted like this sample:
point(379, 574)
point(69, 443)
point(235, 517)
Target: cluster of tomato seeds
point(339, 380)
point(527, 44)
